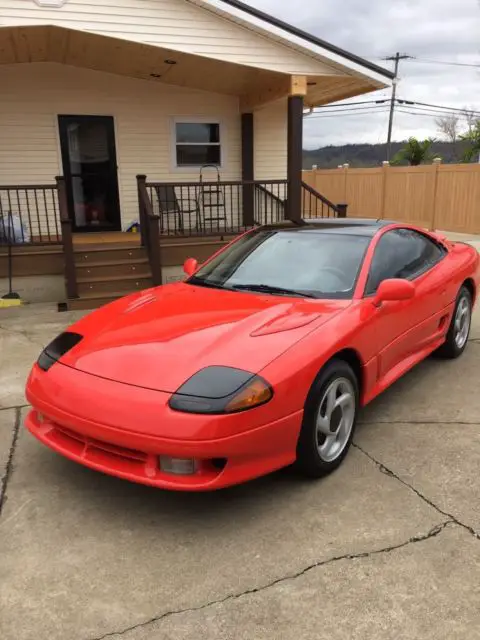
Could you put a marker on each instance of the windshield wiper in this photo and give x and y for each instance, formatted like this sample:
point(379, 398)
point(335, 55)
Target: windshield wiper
point(201, 282)
point(267, 288)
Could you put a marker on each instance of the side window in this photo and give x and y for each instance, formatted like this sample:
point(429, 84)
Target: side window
point(402, 253)
point(197, 143)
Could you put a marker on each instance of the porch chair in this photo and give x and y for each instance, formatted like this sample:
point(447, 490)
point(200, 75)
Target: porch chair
point(169, 206)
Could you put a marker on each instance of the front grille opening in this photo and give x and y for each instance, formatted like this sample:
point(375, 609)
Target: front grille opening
point(105, 447)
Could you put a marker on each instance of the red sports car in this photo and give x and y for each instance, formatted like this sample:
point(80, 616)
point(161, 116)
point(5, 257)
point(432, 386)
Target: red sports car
point(260, 358)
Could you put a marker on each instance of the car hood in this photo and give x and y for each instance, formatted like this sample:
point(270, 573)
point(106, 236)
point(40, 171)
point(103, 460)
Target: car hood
point(159, 338)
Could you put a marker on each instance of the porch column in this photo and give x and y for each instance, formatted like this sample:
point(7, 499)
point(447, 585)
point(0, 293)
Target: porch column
point(248, 174)
point(294, 155)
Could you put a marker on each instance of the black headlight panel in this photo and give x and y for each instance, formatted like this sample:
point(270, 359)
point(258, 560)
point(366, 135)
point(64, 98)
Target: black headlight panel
point(220, 390)
point(57, 348)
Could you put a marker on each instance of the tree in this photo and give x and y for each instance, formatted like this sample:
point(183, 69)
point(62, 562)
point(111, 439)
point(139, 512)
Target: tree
point(448, 126)
point(471, 119)
point(472, 138)
point(415, 152)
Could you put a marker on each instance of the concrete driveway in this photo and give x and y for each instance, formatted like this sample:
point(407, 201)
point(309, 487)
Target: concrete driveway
point(387, 547)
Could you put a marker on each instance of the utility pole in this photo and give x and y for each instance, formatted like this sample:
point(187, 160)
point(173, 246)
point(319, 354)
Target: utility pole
point(397, 57)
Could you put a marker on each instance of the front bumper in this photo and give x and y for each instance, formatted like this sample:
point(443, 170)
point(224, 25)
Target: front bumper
point(108, 426)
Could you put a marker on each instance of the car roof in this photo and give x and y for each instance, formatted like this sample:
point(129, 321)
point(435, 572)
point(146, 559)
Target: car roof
point(345, 226)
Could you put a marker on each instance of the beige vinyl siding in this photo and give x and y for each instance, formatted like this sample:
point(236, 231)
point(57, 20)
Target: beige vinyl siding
point(175, 24)
point(271, 142)
point(143, 112)
point(270, 157)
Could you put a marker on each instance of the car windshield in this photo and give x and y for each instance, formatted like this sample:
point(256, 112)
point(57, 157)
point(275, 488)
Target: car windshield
point(305, 263)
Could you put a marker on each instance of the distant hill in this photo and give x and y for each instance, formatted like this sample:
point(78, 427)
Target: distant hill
point(369, 155)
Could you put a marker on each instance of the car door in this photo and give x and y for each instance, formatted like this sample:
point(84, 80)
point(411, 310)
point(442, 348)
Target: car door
point(399, 330)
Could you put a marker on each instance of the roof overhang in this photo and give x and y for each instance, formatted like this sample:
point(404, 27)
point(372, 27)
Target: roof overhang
point(254, 87)
point(288, 35)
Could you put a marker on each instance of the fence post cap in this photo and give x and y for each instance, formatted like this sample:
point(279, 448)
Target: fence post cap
point(346, 165)
point(340, 166)
point(141, 176)
point(314, 167)
point(386, 163)
point(437, 160)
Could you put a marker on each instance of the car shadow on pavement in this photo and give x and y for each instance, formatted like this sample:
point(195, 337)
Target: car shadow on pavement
point(102, 492)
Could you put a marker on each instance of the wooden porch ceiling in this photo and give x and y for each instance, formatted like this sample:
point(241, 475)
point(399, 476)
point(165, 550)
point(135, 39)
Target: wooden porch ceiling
point(146, 62)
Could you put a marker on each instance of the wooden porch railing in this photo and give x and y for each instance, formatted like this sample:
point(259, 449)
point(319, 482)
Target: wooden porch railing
point(37, 215)
point(215, 208)
point(314, 205)
point(271, 200)
point(29, 214)
point(67, 241)
point(150, 230)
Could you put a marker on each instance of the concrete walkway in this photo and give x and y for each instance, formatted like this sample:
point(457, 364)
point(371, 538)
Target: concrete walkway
point(388, 547)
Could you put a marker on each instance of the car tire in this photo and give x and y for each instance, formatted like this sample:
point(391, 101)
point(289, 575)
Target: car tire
point(459, 329)
point(331, 408)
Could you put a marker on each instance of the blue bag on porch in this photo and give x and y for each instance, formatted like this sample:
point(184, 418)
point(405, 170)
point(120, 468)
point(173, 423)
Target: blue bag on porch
point(12, 230)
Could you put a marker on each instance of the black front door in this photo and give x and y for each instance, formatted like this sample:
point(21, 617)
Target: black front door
point(90, 169)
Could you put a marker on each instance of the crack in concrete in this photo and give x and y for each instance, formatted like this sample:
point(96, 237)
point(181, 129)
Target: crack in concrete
point(9, 466)
point(15, 406)
point(388, 472)
point(435, 531)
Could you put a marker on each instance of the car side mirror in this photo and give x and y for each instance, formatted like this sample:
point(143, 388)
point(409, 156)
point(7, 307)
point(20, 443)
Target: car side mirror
point(190, 266)
point(394, 290)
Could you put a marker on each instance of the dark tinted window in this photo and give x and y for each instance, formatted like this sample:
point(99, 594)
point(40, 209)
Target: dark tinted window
point(193, 155)
point(318, 264)
point(402, 253)
point(197, 133)
point(197, 143)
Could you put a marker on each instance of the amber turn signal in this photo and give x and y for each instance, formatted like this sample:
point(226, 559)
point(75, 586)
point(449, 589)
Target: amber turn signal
point(255, 393)
point(218, 390)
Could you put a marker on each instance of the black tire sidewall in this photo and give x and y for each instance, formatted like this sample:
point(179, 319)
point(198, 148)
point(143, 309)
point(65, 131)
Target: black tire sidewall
point(450, 346)
point(309, 461)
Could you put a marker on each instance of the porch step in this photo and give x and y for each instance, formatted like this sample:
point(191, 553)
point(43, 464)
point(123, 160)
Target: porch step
point(117, 283)
point(113, 268)
point(107, 271)
point(94, 254)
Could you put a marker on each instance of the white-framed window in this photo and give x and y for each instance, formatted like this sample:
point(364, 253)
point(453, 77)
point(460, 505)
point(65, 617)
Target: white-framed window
point(197, 142)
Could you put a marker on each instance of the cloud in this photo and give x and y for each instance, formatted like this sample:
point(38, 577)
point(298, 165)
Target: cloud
point(433, 29)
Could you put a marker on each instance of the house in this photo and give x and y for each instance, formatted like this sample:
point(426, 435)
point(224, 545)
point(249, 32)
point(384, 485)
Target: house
point(181, 117)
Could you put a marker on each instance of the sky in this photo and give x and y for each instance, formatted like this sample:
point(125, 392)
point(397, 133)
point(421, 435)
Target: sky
point(438, 30)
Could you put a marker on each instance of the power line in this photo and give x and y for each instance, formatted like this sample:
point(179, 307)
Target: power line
point(381, 111)
point(364, 108)
point(436, 106)
point(425, 115)
point(428, 112)
point(343, 115)
point(372, 104)
point(348, 104)
point(413, 111)
point(420, 111)
point(445, 62)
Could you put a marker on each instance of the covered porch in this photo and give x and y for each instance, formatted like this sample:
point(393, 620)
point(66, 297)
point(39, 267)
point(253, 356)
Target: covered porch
point(127, 127)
